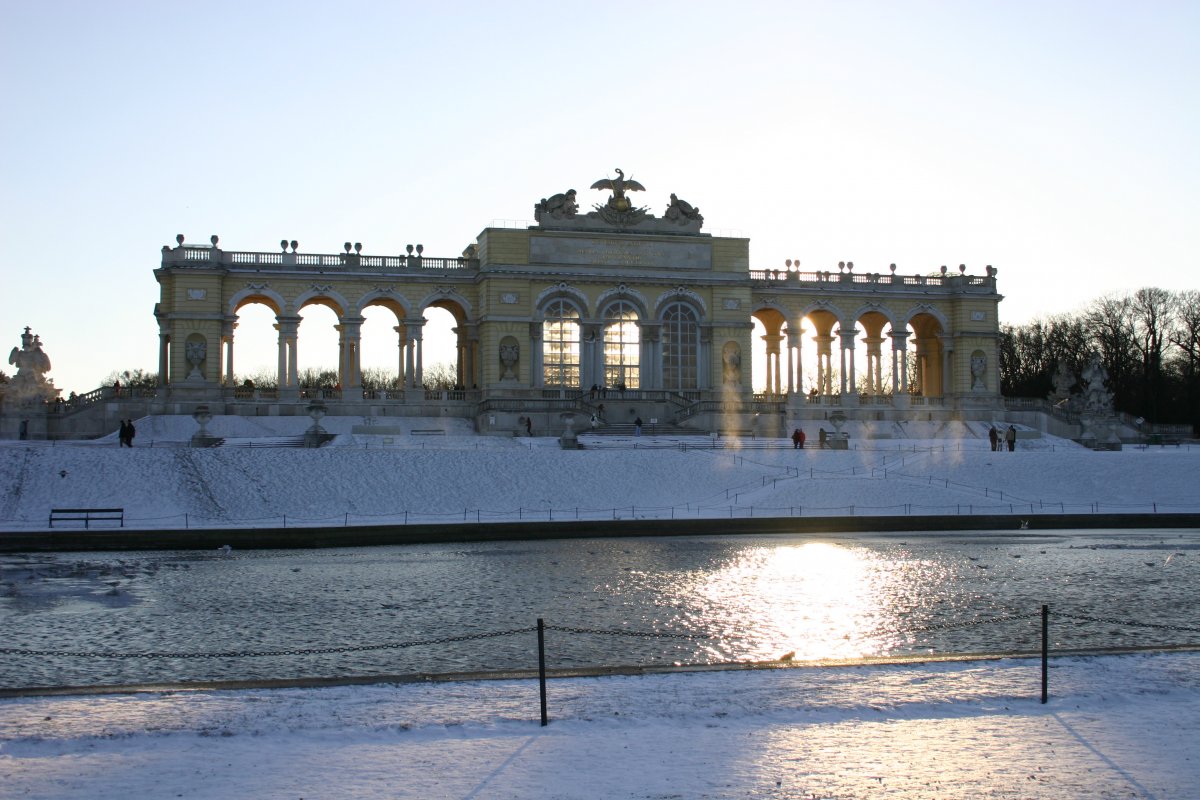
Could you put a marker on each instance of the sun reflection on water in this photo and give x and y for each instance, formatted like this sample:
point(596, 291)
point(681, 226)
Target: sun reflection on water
point(816, 600)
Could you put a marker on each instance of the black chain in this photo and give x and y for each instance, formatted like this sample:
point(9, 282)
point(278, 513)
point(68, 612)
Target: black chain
point(1111, 621)
point(360, 648)
point(640, 634)
point(951, 626)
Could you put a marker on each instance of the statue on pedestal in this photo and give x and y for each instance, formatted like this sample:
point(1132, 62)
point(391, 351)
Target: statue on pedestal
point(30, 385)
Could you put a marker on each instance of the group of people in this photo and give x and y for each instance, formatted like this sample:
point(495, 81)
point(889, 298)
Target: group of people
point(798, 439)
point(126, 433)
point(1000, 440)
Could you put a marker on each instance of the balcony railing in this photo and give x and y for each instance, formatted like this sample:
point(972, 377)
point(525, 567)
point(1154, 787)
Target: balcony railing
point(857, 281)
point(203, 257)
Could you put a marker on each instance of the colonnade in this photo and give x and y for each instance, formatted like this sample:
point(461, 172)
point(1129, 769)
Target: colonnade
point(785, 360)
point(410, 344)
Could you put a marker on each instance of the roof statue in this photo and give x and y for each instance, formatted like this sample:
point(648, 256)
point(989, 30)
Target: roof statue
point(556, 206)
point(619, 185)
point(618, 214)
point(682, 212)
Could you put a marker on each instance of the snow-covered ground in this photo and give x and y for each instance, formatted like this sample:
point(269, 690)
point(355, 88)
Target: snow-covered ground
point(458, 476)
point(1115, 726)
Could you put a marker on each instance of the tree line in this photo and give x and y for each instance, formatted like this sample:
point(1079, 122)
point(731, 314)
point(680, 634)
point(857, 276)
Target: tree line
point(1148, 340)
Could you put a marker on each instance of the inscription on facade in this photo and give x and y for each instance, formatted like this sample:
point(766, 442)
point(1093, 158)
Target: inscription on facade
point(620, 253)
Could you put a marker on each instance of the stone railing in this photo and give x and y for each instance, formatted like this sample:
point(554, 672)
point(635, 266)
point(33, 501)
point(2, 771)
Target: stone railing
point(207, 257)
point(858, 281)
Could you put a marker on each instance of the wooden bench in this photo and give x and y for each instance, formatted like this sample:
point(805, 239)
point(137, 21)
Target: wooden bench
point(426, 432)
point(87, 515)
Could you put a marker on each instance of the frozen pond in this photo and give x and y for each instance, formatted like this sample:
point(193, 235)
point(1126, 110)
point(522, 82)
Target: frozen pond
point(724, 599)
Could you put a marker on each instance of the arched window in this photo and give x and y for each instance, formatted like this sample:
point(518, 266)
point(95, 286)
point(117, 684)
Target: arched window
point(622, 345)
point(560, 345)
point(680, 347)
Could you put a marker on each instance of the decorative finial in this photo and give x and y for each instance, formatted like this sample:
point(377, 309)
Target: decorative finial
point(962, 269)
point(347, 246)
point(179, 239)
point(214, 239)
point(420, 249)
point(283, 244)
point(409, 248)
point(295, 246)
point(892, 267)
point(358, 247)
point(943, 269)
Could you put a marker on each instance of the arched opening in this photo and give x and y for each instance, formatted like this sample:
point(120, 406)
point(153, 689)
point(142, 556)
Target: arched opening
point(872, 371)
point(622, 346)
point(446, 347)
point(382, 347)
point(824, 374)
point(769, 346)
point(252, 346)
point(929, 367)
point(680, 347)
point(318, 352)
point(560, 345)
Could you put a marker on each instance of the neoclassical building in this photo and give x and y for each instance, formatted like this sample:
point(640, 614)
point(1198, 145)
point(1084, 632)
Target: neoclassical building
point(654, 312)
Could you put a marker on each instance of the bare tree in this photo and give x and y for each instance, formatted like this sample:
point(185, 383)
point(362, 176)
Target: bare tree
point(441, 375)
point(1153, 313)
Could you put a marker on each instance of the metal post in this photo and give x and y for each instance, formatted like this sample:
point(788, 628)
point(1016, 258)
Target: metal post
point(541, 630)
point(1045, 648)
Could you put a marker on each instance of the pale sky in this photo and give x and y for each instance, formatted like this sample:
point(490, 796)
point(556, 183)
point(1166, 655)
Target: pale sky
point(1055, 141)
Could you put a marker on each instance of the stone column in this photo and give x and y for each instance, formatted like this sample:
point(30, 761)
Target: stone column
point(704, 354)
point(874, 366)
point(289, 379)
point(350, 373)
point(947, 363)
point(847, 337)
point(537, 375)
point(591, 355)
point(402, 347)
point(899, 363)
point(417, 330)
point(164, 355)
point(824, 363)
point(652, 353)
point(774, 378)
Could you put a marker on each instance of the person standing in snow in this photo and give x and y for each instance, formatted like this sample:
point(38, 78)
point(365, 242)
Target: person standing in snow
point(637, 427)
point(130, 431)
point(994, 438)
point(529, 426)
point(1010, 436)
point(797, 438)
point(122, 434)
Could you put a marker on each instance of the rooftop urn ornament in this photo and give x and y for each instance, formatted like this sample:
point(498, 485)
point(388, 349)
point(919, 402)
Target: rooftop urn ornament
point(214, 239)
point(358, 247)
point(420, 249)
point(347, 246)
point(892, 267)
point(295, 246)
point(943, 269)
point(179, 239)
point(962, 269)
point(283, 244)
point(409, 248)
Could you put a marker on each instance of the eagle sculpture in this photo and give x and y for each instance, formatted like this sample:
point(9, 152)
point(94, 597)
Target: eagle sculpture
point(619, 185)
